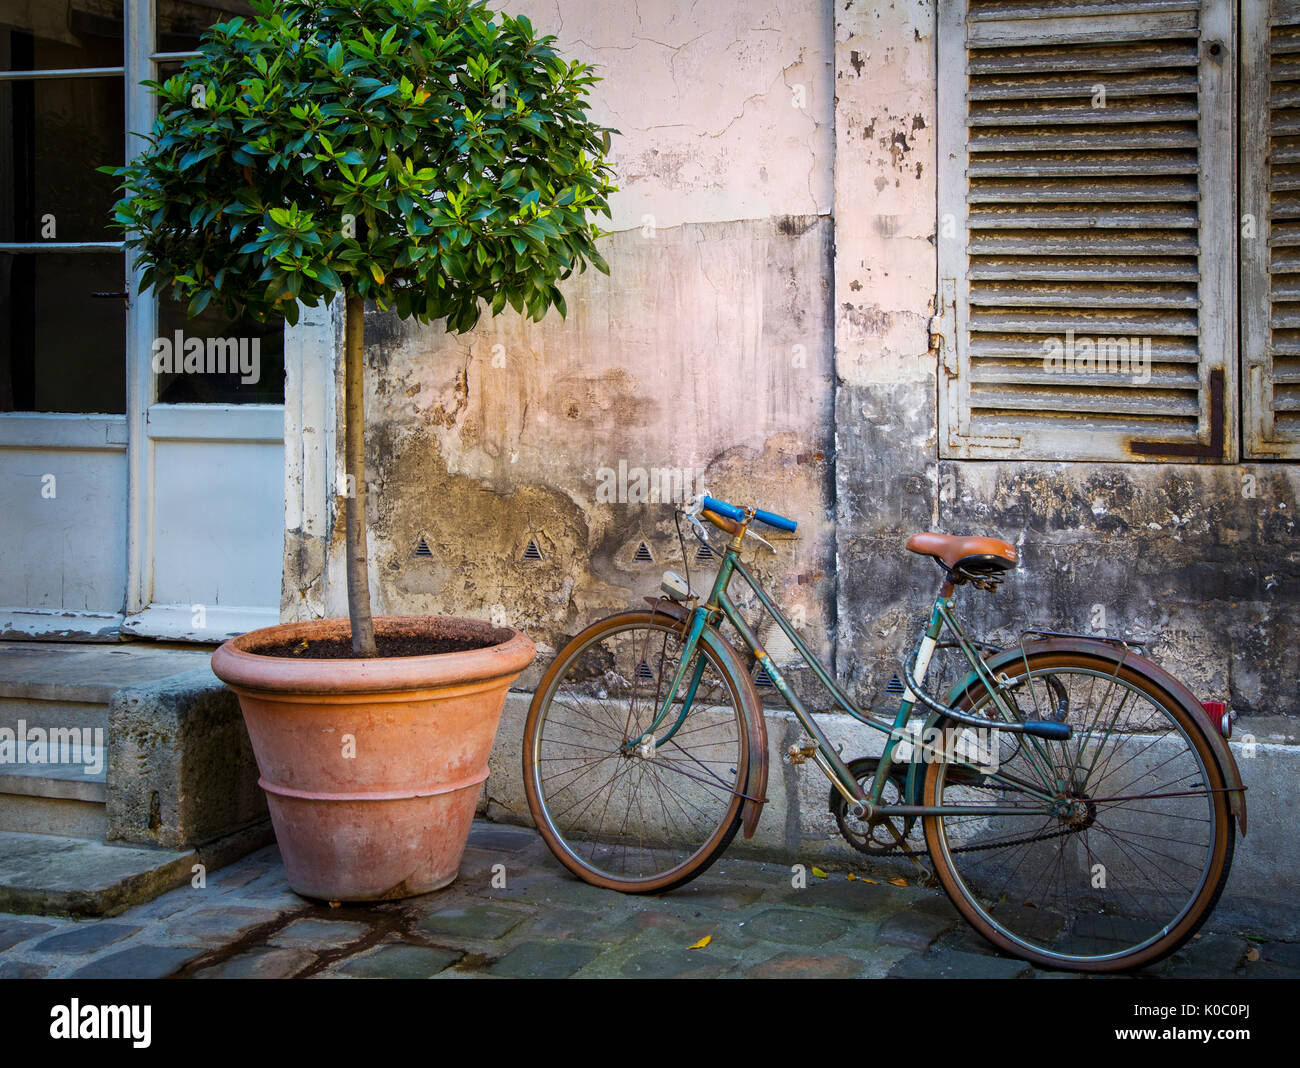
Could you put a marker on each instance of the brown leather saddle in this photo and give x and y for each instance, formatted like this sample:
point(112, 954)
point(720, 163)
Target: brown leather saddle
point(974, 556)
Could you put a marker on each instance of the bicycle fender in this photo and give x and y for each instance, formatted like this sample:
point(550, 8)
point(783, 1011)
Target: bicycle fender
point(751, 706)
point(1115, 655)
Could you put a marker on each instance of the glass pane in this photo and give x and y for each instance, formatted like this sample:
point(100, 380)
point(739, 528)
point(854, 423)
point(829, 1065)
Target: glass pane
point(212, 360)
point(58, 34)
point(57, 132)
point(180, 22)
point(62, 349)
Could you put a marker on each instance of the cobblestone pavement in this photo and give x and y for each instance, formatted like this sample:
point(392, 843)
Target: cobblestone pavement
point(542, 922)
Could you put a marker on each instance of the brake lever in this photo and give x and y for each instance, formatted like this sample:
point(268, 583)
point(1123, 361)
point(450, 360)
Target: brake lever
point(698, 527)
point(761, 540)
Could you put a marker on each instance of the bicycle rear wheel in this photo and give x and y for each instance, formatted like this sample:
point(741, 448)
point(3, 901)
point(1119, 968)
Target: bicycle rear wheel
point(1108, 850)
point(619, 807)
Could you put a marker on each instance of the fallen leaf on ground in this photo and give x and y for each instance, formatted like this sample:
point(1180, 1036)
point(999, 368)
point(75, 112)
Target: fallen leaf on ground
point(899, 881)
point(702, 942)
point(819, 873)
point(1252, 954)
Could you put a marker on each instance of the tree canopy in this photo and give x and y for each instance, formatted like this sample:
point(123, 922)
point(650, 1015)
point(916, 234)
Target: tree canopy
point(429, 155)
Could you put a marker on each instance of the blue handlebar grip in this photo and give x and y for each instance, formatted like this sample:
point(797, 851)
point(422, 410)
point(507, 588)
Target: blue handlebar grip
point(724, 509)
point(738, 514)
point(1057, 732)
point(774, 520)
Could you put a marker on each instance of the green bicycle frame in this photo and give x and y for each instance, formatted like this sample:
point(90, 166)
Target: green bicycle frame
point(719, 606)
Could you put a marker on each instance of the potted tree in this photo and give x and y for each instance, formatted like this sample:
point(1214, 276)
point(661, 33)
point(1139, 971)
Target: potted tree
point(430, 156)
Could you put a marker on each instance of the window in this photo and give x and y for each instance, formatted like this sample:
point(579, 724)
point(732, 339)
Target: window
point(1087, 230)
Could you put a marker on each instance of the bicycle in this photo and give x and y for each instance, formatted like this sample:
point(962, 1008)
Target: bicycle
point(1075, 800)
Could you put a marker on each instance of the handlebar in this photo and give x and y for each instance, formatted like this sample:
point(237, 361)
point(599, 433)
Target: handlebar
point(738, 514)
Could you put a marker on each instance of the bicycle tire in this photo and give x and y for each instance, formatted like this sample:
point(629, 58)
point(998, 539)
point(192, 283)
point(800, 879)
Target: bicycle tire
point(587, 702)
point(1057, 895)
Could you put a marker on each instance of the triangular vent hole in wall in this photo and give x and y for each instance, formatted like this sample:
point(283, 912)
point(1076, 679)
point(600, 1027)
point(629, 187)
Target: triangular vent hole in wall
point(643, 555)
point(532, 551)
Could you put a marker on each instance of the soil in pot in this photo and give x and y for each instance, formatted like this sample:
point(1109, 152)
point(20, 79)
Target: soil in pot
point(387, 644)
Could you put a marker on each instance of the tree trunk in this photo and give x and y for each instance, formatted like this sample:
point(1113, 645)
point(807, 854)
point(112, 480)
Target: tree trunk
point(354, 463)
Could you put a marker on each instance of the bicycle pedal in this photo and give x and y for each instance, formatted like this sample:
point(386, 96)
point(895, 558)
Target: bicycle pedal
point(798, 754)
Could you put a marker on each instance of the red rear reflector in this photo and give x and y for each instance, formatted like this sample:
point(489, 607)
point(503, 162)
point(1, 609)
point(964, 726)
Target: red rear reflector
point(1219, 716)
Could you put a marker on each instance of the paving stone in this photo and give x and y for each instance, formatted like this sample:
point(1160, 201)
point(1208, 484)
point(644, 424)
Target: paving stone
point(551, 887)
point(958, 966)
point(400, 962)
point(497, 837)
point(168, 905)
point(936, 904)
point(914, 929)
point(484, 922)
point(1283, 953)
point(140, 962)
point(1266, 969)
point(86, 937)
point(563, 923)
point(220, 924)
point(715, 897)
point(1210, 956)
point(318, 934)
point(674, 964)
point(261, 963)
point(965, 939)
point(14, 931)
point(795, 927)
point(545, 960)
point(17, 969)
point(794, 965)
point(840, 893)
point(236, 876)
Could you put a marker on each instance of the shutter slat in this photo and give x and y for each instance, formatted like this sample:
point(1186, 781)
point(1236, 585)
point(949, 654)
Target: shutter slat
point(1084, 84)
point(1099, 323)
point(1139, 190)
point(1082, 243)
point(1023, 293)
point(1044, 378)
point(1087, 216)
point(1072, 164)
point(1090, 268)
point(1081, 138)
point(994, 349)
point(1117, 111)
point(1111, 401)
point(983, 10)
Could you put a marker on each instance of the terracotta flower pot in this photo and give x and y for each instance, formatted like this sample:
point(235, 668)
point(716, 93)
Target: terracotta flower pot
point(372, 768)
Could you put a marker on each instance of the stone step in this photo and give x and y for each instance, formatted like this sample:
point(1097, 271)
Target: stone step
point(49, 797)
point(48, 714)
point(46, 873)
point(85, 675)
point(59, 693)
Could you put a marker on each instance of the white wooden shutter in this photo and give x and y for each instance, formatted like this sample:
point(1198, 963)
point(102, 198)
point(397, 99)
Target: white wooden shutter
point(1270, 240)
point(1086, 198)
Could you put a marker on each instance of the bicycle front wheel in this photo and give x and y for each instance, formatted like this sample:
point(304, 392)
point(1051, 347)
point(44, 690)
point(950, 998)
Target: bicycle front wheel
point(1100, 853)
point(621, 801)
